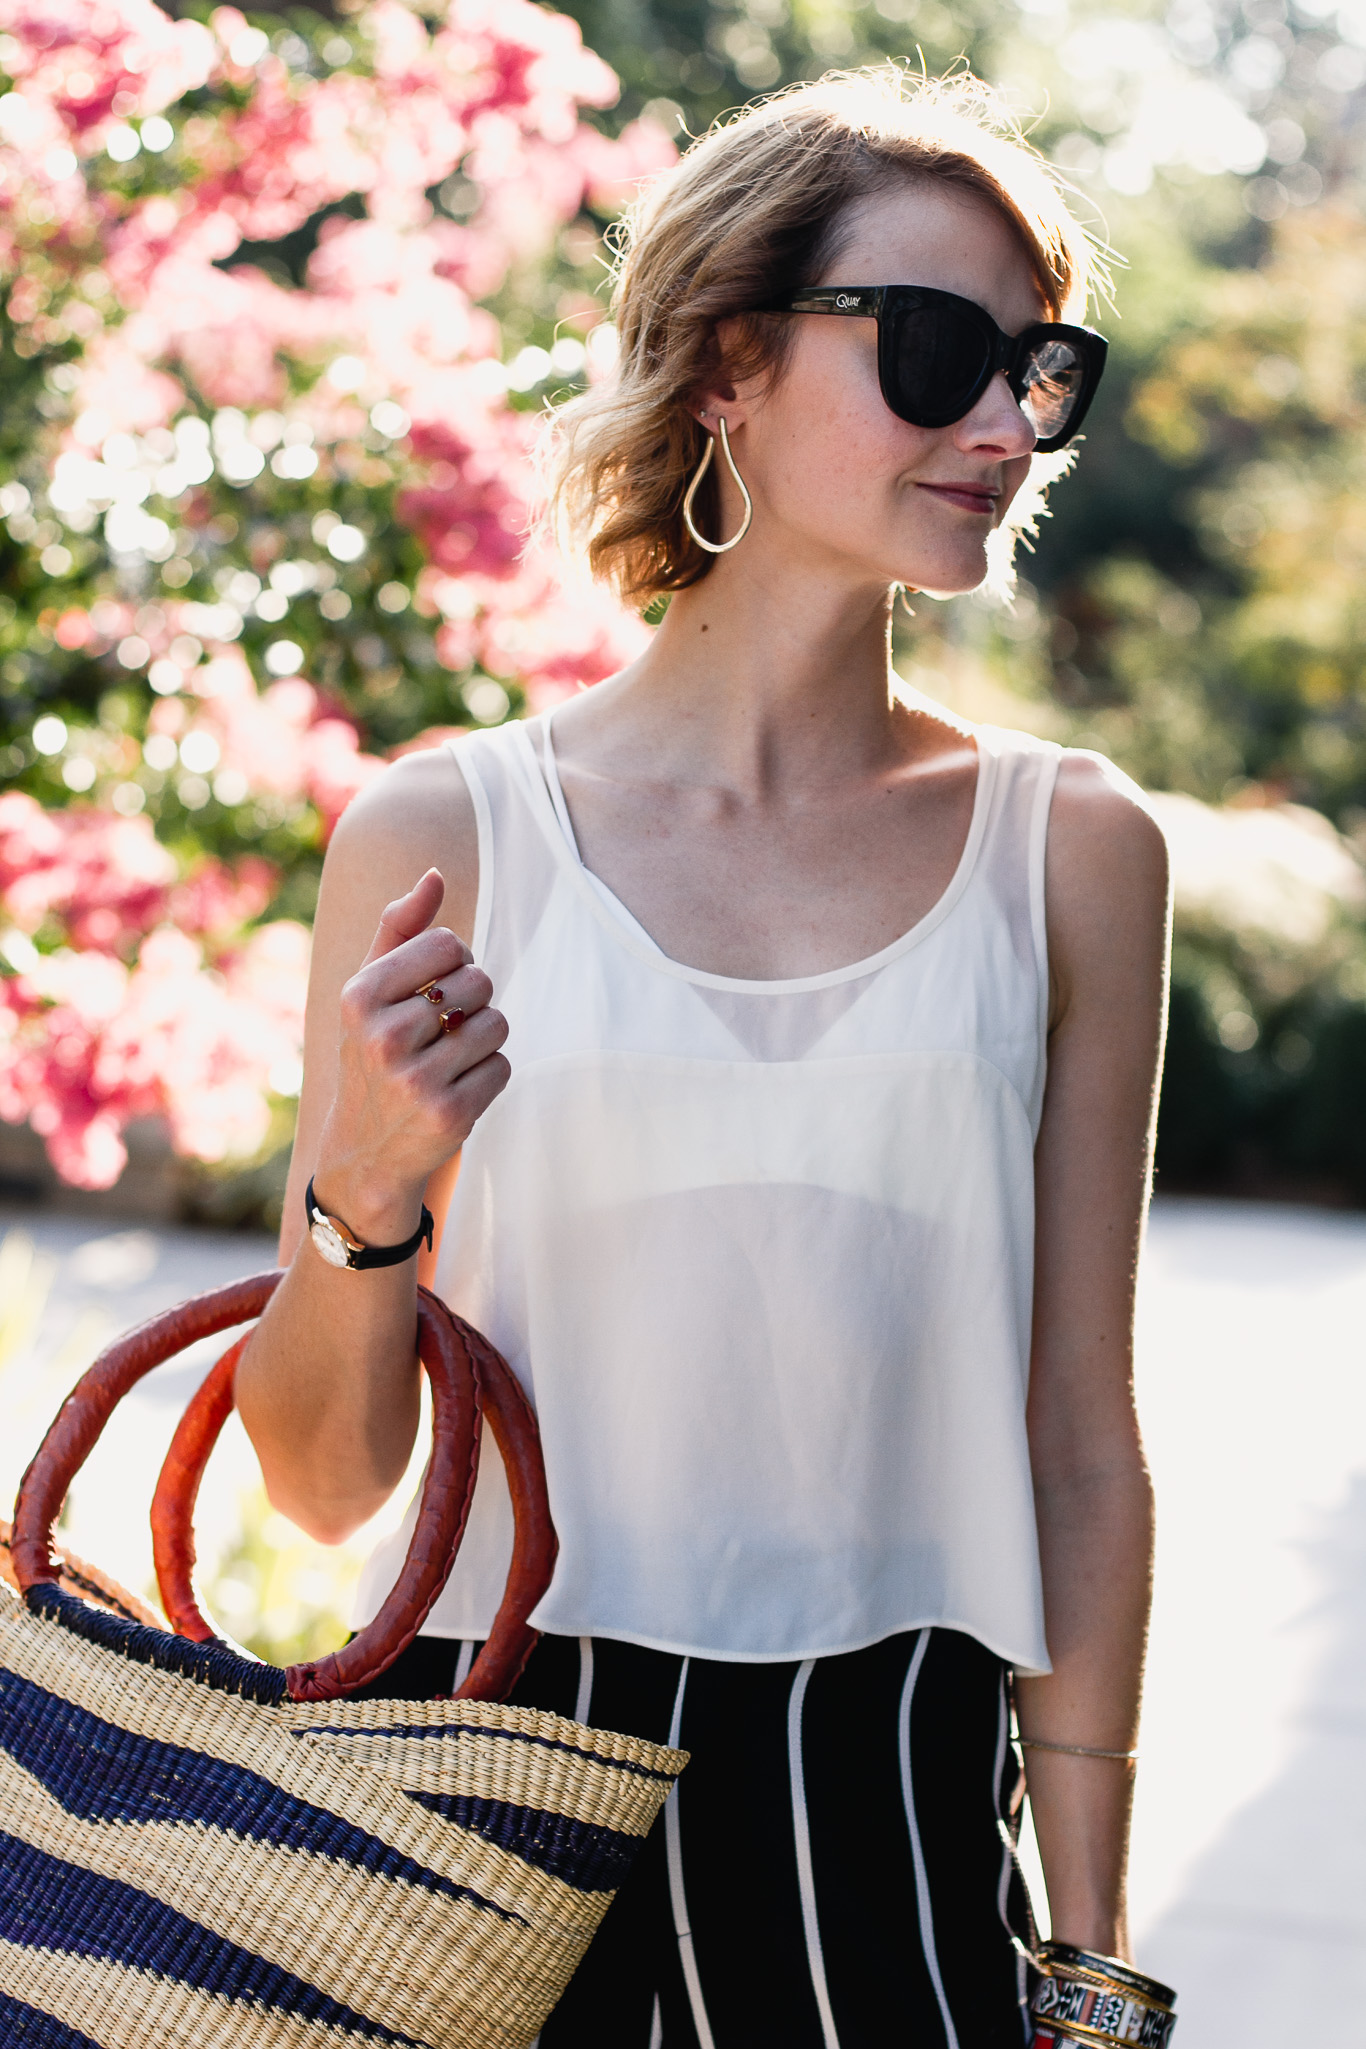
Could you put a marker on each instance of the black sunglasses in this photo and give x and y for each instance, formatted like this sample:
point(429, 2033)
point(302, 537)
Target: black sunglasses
point(937, 353)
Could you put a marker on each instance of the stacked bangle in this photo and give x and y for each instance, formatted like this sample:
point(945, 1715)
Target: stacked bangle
point(1086, 2001)
point(1077, 1749)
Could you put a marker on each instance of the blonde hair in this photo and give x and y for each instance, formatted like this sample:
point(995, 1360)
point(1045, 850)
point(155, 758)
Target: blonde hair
point(753, 211)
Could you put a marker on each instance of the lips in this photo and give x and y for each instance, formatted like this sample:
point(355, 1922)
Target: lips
point(978, 498)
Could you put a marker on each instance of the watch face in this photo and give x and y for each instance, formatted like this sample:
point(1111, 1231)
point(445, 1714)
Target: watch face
point(329, 1242)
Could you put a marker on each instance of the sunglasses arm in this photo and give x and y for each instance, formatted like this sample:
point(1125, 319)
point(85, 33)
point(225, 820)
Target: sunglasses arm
point(864, 304)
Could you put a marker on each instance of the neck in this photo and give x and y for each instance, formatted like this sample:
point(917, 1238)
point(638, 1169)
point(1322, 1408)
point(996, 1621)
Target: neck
point(760, 676)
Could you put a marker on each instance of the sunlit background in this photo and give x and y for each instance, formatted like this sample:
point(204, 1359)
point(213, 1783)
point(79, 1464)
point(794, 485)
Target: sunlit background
point(284, 295)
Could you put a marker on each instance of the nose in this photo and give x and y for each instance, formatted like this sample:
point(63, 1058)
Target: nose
point(996, 425)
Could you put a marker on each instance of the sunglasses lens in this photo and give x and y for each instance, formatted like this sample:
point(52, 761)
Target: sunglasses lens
point(1050, 383)
point(939, 360)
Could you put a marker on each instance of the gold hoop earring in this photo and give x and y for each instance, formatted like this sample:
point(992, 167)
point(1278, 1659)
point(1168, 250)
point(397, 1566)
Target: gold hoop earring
point(718, 547)
point(906, 607)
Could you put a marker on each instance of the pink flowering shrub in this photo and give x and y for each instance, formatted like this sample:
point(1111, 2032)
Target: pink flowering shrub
point(278, 317)
point(150, 1000)
point(387, 311)
point(106, 879)
point(87, 1045)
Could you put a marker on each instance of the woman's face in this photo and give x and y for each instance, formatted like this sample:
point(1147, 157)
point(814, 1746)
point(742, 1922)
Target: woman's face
point(837, 477)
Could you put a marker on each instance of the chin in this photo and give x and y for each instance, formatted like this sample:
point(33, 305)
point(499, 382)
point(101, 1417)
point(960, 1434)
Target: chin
point(950, 574)
point(943, 584)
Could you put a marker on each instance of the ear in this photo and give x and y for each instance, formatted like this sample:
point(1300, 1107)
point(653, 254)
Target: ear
point(716, 392)
point(716, 402)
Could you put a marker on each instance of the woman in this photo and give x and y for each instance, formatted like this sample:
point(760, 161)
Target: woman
point(806, 1151)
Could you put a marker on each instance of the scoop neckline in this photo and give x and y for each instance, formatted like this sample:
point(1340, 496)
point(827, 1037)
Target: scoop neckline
point(558, 828)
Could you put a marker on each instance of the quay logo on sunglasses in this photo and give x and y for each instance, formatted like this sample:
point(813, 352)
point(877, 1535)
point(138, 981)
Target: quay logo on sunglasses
point(937, 353)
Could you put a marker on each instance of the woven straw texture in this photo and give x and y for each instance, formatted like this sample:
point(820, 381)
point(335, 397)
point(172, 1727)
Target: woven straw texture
point(184, 1867)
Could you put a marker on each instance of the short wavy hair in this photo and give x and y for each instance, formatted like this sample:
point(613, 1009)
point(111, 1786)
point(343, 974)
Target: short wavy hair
point(753, 211)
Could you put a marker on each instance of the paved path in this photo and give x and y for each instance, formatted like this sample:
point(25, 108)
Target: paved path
point(1249, 1877)
point(78, 1285)
point(1250, 1839)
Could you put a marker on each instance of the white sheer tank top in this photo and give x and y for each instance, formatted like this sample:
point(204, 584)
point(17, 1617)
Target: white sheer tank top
point(760, 1252)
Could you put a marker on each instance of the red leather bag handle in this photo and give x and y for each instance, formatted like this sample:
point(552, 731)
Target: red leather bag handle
point(436, 1537)
point(466, 1375)
point(535, 1545)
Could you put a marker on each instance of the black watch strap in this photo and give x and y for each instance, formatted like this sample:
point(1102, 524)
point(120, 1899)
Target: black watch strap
point(336, 1245)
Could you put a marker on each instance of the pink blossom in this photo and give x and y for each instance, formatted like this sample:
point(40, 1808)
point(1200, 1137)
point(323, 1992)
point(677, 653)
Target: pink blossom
point(87, 1046)
point(180, 1040)
point(157, 994)
point(81, 56)
point(73, 629)
point(215, 899)
point(407, 298)
point(457, 643)
point(297, 145)
point(496, 89)
point(284, 741)
point(556, 631)
point(271, 971)
point(107, 880)
point(546, 626)
point(51, 1023)
point(535, 58)
point(158, 241)
point(614, 168)
point(469, 514)
point(104, 877)
point(120, 388)
point(260, 736)
point(336, 768)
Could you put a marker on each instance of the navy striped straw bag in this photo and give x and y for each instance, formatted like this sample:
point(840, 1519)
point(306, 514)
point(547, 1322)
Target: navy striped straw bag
point(199, 1850)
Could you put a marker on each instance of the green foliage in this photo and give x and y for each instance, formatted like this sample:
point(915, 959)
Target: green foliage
point(280, 1596)
point(703, 59)
point(364, 645)
point(1262, 402)
point(1201, 1111)
point(1324, 1123)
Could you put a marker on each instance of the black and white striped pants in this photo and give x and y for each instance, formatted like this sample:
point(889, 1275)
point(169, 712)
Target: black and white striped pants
point(836, 1869)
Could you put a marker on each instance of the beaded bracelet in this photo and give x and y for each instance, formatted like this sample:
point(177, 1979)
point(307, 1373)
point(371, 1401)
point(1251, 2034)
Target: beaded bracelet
point(1087, 2001)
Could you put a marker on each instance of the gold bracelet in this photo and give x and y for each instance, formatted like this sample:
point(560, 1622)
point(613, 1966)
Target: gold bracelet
point(1088, 2001)
point(1077, 1750)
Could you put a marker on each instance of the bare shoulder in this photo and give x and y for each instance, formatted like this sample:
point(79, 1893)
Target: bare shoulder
point(1101, 834)
point(1107, 880)
point(418, 815)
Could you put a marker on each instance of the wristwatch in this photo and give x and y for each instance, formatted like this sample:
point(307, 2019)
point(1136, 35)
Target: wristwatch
point(336, 1245)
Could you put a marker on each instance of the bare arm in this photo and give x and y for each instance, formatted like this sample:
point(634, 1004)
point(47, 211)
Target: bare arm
point(1107, 920)
point(328, 1388)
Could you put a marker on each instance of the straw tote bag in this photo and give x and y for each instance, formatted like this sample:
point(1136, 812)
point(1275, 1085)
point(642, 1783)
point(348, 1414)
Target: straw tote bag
point(199, 1850)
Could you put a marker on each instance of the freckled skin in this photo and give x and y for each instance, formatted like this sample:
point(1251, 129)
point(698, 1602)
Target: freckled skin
point(836, 478)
